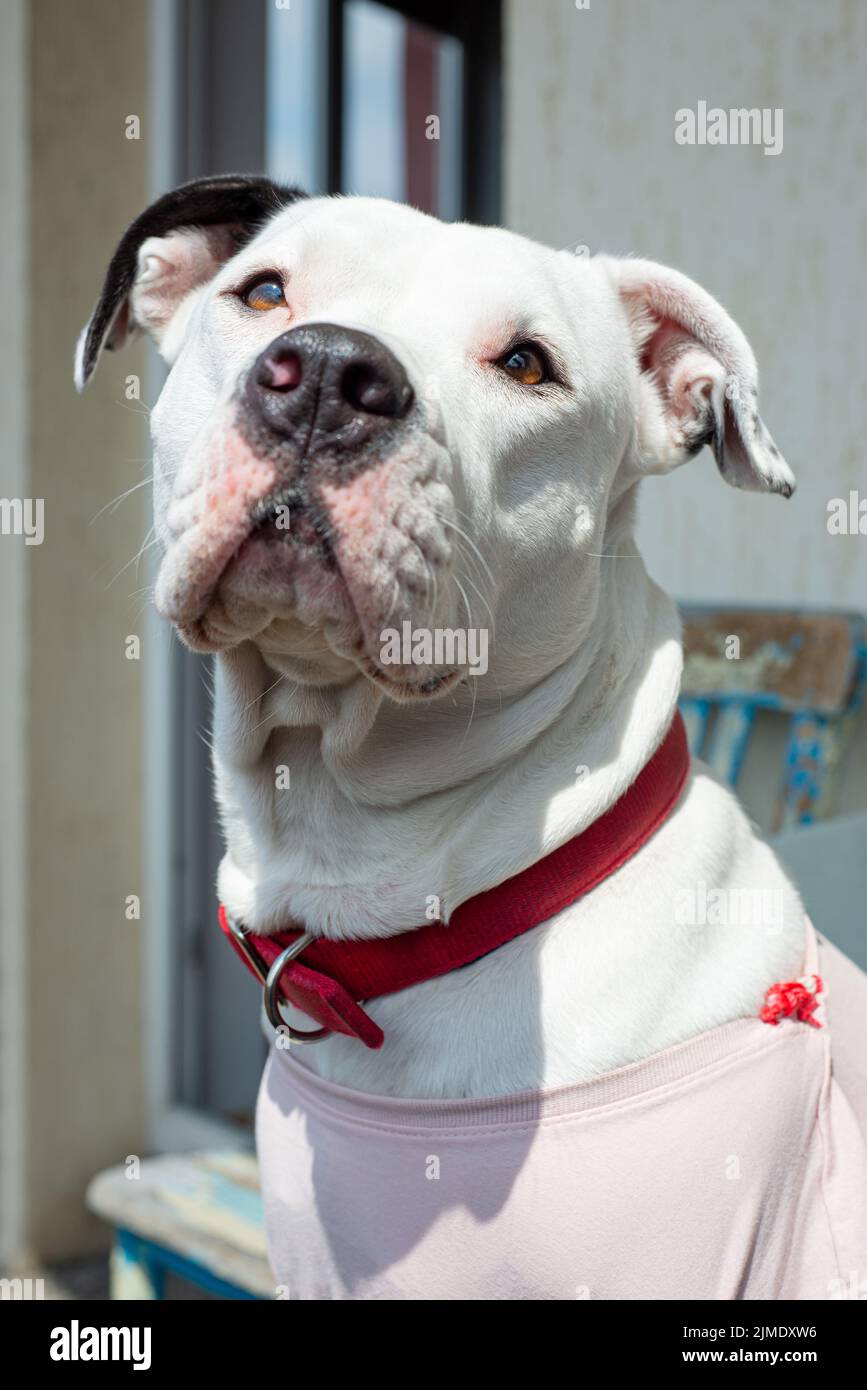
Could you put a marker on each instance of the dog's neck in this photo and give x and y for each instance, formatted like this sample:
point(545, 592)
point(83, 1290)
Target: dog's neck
point(359, 817)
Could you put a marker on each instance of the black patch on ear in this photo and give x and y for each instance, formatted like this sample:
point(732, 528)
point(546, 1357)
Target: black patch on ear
point(707, 429)
point(247, 200)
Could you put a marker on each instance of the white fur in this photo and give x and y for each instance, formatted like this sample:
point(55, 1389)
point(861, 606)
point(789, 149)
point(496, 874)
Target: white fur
point(396, 800)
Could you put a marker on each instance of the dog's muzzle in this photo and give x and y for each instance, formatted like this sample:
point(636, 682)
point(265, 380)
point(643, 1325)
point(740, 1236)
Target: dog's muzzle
point(323, 389)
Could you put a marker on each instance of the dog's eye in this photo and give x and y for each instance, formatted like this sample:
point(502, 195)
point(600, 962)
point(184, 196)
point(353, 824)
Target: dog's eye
point(266, 293)
point(525, 364)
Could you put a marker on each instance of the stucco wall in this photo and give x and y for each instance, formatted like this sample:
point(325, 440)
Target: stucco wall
point(84, 1046)
point(590, 158)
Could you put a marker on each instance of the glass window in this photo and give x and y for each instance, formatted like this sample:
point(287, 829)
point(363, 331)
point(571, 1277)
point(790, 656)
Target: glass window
point(402, 110)
point(296, 83)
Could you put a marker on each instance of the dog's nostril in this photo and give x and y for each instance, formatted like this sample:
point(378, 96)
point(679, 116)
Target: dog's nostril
point(280, 373)
point(322, 382)
point(370, 390)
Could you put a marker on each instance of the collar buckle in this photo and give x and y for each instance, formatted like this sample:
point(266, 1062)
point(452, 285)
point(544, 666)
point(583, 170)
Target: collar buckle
point(270, 979)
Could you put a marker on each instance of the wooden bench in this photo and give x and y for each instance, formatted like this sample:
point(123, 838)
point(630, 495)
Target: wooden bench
point(809, 666)
point(198, 1216)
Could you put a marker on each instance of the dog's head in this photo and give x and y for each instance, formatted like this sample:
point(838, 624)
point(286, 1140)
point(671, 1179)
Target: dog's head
point(378, 427)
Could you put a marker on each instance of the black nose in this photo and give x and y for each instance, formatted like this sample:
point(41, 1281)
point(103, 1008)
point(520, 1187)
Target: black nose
point(324, 386)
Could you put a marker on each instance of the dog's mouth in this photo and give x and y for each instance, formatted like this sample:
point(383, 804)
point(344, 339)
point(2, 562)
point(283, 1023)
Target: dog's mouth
point(282, 566)
point(287, 516)
point(309, 560)
point(407, 691)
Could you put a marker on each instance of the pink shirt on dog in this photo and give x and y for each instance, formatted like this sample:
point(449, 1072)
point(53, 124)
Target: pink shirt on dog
point(732, 1166)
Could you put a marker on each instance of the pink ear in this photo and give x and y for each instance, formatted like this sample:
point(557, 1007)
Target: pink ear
point(169, 268)
point(700, 381)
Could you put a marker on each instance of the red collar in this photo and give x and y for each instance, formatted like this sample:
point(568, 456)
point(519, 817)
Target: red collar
point(336, 974)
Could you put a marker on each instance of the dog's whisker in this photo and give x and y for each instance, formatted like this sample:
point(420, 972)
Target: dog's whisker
point(268, 717)
point(146, 594)
point(446, 521)
point(394, 598)
point(472, 711)
point(137, 407)
point(147, 544)
point(474, 555)
point(470, 624)
point(257, 698)
point(477, 590)
point(429, 581)
point(436, 594)
point(430, 584)
point(463, 594)
point(113, 505)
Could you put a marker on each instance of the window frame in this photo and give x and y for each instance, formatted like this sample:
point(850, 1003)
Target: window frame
point(208, 85)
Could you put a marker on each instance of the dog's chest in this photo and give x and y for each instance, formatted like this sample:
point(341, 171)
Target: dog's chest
point(638, 965)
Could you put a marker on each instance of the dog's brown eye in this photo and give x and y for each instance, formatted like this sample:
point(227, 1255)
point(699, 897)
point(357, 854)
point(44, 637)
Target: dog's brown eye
point(264, 294)
point(525, 364)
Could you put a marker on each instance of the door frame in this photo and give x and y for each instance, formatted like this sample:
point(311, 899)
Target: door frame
point(208, 68)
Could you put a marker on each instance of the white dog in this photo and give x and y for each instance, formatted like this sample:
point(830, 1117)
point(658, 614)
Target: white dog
point(378, 430)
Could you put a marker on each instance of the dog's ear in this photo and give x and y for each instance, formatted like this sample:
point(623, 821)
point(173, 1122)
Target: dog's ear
point(699, 381)
point(175, 245)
